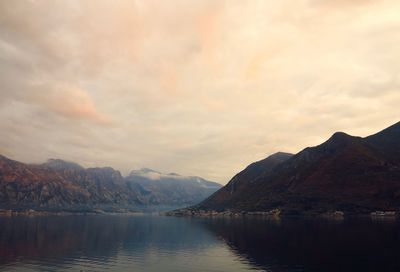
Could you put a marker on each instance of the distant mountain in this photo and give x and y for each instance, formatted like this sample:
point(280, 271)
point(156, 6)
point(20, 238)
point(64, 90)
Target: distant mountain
point(346, 173)
point(170, 189)
point(62, 185)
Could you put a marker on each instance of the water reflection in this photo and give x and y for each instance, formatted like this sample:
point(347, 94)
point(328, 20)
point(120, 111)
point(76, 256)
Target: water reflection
point(155, 243)
point(314, 245)
point(122, 243)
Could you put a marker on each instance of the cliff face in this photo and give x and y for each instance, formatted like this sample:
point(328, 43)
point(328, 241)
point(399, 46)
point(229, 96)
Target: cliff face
point(61, 185)
point(57, 184)
point(346, 173)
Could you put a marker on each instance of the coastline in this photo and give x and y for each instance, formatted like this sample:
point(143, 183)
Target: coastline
point(277, 213)
point(272, 214)
point(31, 212)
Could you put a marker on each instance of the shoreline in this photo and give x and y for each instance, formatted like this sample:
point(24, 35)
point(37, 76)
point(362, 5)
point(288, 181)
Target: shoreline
point(277, 214)
point(32, 213)
point(274, 214)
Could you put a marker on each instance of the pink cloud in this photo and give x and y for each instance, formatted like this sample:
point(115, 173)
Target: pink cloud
point(74, 103)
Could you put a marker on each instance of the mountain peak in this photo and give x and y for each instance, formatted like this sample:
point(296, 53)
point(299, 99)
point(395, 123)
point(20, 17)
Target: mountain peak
point(340, 138)
point(340, 135)
point(148, 170)
point(144, 171)
point(58, 164)
point(280, 155)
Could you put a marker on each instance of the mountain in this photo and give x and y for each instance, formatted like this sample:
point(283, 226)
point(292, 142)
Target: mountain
point(346, 173)
point(231, 192)
point(59, 185)
point(170, 189)
point(387, 141)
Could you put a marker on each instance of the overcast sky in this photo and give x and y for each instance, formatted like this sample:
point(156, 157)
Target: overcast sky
point(194, 87)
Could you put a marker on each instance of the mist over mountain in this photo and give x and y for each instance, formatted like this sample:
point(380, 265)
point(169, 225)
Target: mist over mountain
point(158, 188)
point(62, 185)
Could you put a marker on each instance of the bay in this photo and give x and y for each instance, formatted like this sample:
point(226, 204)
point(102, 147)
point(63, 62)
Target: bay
point(160, 243)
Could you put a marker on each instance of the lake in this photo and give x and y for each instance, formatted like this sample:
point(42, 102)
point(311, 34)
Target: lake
point(158, 243)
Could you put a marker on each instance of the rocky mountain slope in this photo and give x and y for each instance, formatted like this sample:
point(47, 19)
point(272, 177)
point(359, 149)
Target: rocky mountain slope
point(346, 173)
point(61, 185)
point(58, 185)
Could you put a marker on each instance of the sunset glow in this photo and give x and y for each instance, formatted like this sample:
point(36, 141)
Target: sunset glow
point(195, 87)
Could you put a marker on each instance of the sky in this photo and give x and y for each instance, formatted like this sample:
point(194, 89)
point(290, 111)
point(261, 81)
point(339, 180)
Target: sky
point(193, 87)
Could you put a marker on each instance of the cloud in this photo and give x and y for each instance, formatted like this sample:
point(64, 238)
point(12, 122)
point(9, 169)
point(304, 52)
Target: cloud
point(72, 103)
point(194, 87)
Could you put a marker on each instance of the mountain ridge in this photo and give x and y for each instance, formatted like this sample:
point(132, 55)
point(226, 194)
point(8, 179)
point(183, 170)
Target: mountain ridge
point(346, 173)
point(62, 185)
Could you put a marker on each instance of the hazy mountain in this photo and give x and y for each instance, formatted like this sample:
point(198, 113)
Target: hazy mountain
point(347, 173)
point(62, 185)
point(170, 189)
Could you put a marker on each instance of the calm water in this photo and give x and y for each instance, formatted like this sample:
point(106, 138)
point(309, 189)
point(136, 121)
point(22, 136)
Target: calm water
point(157, 243)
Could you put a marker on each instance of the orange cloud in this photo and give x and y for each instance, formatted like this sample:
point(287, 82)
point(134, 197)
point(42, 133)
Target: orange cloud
point(74, 103)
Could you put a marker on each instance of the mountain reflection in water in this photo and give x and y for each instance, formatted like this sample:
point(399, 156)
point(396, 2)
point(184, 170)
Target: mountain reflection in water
point(314, 245)
point(157, 243)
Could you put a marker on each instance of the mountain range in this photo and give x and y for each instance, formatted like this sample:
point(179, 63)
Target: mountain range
point(59, 185)
point(346, 173)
